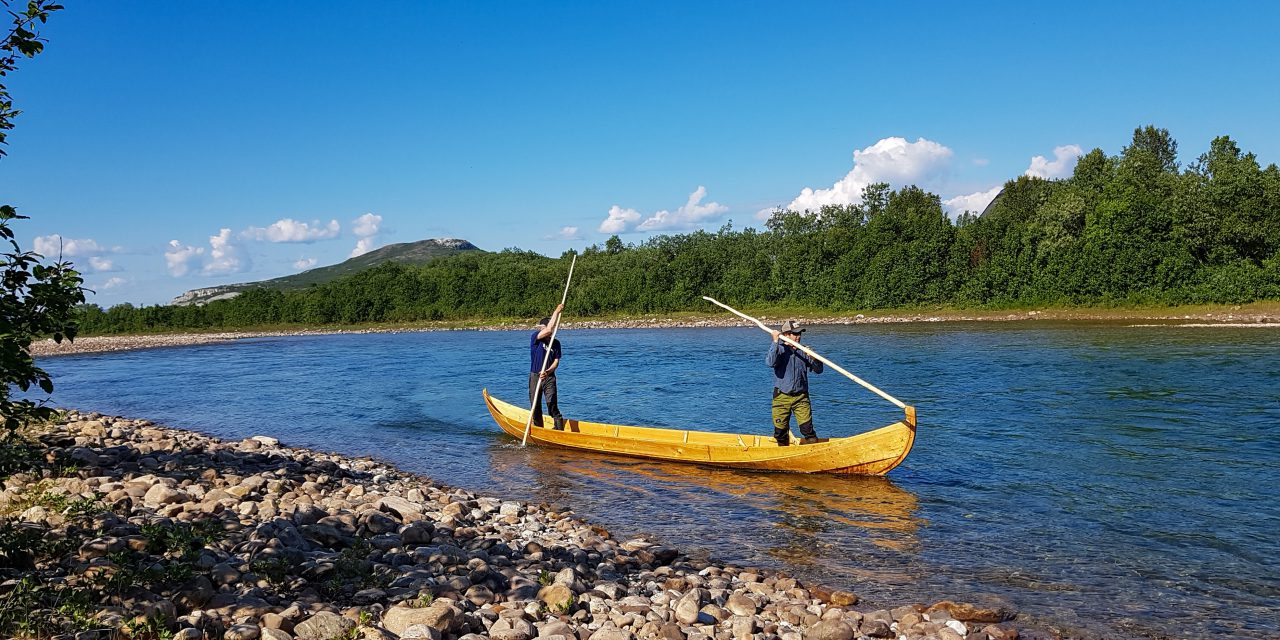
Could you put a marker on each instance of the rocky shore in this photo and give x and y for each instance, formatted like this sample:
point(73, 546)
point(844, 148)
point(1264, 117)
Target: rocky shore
point(1261, 315)
point(111, 527)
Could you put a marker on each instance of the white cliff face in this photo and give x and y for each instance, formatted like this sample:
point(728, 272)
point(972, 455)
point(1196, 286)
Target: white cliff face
point(203, 296)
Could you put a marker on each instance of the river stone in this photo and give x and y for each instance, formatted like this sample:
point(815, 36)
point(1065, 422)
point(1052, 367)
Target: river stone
point(610, 632)
point(830, 630)
point(159, 495)
point(189, 633)
point(875, 628)
point(323, 626)
point(556, 628)
point(511, 629)
point(690, 606)
point(399, 506)
point(242, 632)
point(439, 616)
point(269, 634)
point(421, 631)
point(741, 605)
point(965, 612)
point(557, 597)
point(419, 532)
point(1000, 632)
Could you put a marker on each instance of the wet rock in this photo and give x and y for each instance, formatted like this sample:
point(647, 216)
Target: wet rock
point(973, 613)
point(875, 628)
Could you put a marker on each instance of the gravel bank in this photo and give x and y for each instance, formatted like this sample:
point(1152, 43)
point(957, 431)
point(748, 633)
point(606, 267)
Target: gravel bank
point(121, 525)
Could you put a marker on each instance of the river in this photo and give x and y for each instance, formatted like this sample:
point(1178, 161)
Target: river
point(1107, 480)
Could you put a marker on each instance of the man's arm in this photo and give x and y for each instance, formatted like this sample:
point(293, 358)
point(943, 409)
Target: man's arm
point(551, 368)
point(551, 326)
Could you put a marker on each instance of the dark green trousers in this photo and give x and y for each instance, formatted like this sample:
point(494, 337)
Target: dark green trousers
point(785, 404)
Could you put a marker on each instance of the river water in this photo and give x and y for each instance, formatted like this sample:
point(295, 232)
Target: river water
point(1106, 480)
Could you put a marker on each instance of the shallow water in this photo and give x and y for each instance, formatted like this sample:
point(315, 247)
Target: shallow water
point(1107, 480)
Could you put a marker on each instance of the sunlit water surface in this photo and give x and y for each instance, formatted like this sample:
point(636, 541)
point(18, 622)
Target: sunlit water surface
point(1108, 480)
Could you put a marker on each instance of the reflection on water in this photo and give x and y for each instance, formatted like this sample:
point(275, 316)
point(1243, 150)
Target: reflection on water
point(1114, 480)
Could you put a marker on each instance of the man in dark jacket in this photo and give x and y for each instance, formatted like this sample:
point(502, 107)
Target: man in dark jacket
point(537, 355)
point(791, 368)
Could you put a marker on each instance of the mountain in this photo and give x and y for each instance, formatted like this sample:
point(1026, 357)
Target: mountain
point(420, 252)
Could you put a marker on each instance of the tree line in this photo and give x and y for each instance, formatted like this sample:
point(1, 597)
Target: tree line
point(1130, 229)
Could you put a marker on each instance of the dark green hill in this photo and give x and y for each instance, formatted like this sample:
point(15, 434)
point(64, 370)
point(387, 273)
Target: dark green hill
point(420, 252)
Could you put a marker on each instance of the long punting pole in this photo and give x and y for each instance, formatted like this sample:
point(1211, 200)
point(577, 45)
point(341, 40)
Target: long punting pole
point(537, 389)
point(813, 353)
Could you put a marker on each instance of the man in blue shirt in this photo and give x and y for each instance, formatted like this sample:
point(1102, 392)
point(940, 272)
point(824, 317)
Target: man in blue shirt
point(791, 368)
point(537, 354)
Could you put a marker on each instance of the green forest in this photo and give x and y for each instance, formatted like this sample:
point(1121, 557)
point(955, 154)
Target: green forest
point(1130, 229)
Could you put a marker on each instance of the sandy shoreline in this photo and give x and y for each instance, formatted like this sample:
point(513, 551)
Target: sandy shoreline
point(1261, 315)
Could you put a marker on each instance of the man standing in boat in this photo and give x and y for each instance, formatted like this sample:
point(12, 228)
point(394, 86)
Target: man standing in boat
point(791, 368)
point(537, 355)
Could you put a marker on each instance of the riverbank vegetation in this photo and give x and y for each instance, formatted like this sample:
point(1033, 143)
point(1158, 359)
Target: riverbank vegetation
point(1130, 229)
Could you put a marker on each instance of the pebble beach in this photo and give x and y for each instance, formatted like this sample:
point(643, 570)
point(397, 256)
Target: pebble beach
point(161, 532)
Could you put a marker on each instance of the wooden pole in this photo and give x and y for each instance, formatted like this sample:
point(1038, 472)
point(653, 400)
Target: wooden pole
point(811, 352)
point(537, 389)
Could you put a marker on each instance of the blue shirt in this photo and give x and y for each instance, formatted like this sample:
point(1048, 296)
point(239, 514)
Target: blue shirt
point(791, 368)
point(538, 351)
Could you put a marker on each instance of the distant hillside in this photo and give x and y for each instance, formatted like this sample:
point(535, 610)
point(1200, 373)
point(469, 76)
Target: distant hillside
point(420, 252)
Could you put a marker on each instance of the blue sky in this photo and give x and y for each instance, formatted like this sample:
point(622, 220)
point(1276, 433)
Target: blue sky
point(181, 145)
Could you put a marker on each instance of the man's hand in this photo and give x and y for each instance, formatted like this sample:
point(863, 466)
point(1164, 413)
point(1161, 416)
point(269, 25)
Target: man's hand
point(542, 375)
point(776, 335)
point(560, 307)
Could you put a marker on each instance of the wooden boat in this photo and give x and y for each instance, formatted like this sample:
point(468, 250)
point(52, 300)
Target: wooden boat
point(872, 453)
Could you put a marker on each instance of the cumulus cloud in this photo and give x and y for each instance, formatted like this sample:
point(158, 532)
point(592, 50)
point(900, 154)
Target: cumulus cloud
point(114, 282)
point(225, 256)
point(366, 228)
point(974, 202)
point(619, 220)
point(290, 230)
point(180, 259)
point(568, 233)
point(892, 160)
point(54, 245)
point(688, 216)
point(304, 263)
point(99, 264)
point(1062, 165)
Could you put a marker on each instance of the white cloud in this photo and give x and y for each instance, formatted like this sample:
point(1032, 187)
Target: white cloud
point(225, 256)
point(114, 282)
point(892, 160)
point(363, 246)
point(1063, 164)
point(99, 264)
point(568, 233)
point(688, 216)
point(304, 263)
point(180, 258)
point(53, 245)
point(366, 228)
point(290, 230)
point(974, 202)
point(619, 220)
point(367, 225)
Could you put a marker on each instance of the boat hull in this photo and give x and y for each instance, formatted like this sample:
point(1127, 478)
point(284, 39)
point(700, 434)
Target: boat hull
point(872, 453)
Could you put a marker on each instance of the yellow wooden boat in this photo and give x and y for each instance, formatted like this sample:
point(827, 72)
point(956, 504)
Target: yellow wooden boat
point(872, 453)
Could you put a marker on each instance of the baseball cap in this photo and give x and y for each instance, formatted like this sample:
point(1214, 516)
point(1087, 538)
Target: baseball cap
point(791, 326)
